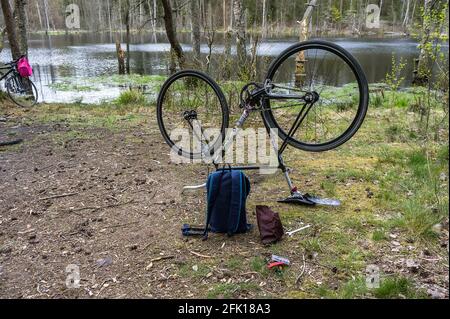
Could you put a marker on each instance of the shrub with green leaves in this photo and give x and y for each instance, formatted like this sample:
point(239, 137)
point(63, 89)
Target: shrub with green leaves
point(131, 97)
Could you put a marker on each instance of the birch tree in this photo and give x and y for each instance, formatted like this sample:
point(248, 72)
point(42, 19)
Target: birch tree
point(264, 14)
point(239, 29)
point(195, 27)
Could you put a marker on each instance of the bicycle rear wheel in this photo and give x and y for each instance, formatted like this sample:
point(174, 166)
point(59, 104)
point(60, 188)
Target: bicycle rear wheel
point(21, 91)
point(192, 114)
point(328, 72)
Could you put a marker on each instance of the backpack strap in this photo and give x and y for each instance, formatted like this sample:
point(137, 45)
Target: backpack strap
point(234, 214)
point(213, 192)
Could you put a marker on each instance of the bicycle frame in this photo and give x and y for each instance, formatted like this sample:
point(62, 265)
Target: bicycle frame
point(10, 70)
point(255, 98)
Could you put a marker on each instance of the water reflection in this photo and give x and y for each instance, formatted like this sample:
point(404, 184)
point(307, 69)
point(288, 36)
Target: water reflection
point(78, 56)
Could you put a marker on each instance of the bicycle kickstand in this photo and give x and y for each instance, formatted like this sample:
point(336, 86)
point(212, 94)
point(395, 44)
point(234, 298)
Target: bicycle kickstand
point(298, 197)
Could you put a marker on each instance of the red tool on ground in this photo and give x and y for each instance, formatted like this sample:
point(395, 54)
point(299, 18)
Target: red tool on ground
point(277, 264)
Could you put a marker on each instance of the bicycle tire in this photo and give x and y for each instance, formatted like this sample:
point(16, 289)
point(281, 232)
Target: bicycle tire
point(35, 95)
point(223, 106)
point(267, 114)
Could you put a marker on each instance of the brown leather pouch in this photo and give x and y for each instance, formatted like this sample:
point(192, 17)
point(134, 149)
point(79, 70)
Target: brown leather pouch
point(269, 224)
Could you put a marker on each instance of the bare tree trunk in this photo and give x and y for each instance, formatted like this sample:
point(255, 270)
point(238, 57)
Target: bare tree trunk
point(406, 19)
point(120, 20)
point(224, 13)
point(264, 27)
point(231, 15)
point(2, 38)
point(227, 69)
point(300, 59)
point(10, 29)
point(154, 15)
point(172, 33)
point(39, 14)
point(239, 23)
point(127, 25)
point(109, 18)
point(195, 22)
point(120, 55)
point(21, 24)
point(46, 17)
point(413, 12)
point(140, 13)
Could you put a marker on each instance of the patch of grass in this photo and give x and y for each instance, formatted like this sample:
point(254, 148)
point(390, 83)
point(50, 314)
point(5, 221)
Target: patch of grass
point(418, 163)
point(70, 86)
point(417, 220)
point(188, 271)
point(395, 132)
point(392, 155)
point(130, 97)
point(346, 174)
point(3, 95)
point(329, 187)
point(130, 80)
point(259, 265)
point(355, 223)
point(234, 262)
point(312, 245)
point(354, 288)
point(442, 154)
point(397, 287)
point(230, 290)
point(412, 187)
point(376, 100)
point(107, 115)
point(379, 235)
point(350, 261)
point(403, 101)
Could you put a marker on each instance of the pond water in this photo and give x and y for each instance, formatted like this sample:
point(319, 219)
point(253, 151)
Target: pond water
point(75, 67)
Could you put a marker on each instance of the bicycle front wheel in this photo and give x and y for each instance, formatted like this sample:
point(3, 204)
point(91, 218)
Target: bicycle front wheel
point(192, 114)
point(21, 91)
point(327, 72)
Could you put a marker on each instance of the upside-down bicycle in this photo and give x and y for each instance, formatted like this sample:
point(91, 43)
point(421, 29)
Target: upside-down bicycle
point(316, 84)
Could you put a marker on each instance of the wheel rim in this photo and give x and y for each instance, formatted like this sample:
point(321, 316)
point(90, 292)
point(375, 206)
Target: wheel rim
point(337, 114)
point(190, 108)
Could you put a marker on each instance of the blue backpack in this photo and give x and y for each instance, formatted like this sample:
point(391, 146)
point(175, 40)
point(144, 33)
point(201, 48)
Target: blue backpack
point(227, 192)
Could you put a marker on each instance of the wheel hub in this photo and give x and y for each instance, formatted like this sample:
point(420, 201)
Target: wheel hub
point(312, 97)
point(190, 115)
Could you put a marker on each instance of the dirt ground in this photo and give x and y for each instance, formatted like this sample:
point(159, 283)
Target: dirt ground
point(108, 200)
